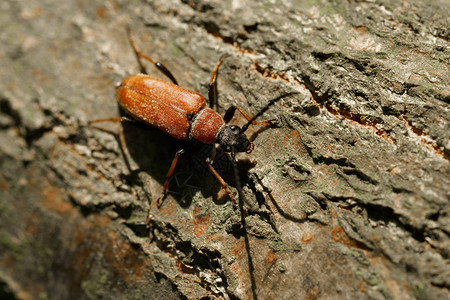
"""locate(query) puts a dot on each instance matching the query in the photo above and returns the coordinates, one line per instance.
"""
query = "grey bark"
(346, 196)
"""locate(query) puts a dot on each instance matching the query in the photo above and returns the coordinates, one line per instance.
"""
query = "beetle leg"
(212, 88)
(232, 109)
(140, 55)
(113, 119)
(169, 176)
(220, 179)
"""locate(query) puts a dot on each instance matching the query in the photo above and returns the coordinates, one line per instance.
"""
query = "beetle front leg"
(140, 55)
(169, 176)
(220, 179)
(232, 109)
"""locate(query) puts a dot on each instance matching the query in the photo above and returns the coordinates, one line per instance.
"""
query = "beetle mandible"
(183, 114)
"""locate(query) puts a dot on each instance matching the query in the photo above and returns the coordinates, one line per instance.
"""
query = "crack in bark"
(30, 135)
(383, 213)
(321, 102)
(167, 239)
(422, 136)
(160, 275)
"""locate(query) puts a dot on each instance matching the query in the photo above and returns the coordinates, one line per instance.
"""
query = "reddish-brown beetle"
(182, 113)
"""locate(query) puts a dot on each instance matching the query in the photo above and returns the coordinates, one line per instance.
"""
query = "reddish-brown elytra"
(182, 113)
(178, 112)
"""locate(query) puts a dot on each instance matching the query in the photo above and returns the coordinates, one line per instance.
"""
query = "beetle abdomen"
(161, 104)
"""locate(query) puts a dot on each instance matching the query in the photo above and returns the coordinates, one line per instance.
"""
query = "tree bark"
(345, 197)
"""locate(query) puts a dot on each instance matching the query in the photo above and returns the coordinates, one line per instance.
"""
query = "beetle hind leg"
(113, 119)
(169, 175)
(212, 87)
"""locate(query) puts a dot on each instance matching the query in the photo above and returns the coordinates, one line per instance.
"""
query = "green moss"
(43, 296)
(359, 256)
(42, 253)
(7, 242)
(373, 280)
(19, 66)
(224, 218)
(306, 3)
(224, 213)
(282, 267)
(174, 49)
(279, 245)
(95, 287)
(181, 213)
(259, 228)
(5, 210)
(420, 291)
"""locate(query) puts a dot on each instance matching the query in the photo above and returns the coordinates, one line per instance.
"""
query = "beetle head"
(232, 139)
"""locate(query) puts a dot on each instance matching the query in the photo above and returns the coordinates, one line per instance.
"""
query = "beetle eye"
(235, 129)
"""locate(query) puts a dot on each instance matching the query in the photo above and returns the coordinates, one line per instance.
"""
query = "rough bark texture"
(357, 164)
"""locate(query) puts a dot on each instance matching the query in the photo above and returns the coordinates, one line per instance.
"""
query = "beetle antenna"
(265, 108)
(251, 267)
(238, 181)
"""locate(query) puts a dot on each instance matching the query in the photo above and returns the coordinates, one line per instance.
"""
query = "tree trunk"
(344, 197)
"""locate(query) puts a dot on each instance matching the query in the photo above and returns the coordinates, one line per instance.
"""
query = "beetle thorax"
(206, 126)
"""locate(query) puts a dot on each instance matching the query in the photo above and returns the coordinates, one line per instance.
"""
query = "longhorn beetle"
(183, 114)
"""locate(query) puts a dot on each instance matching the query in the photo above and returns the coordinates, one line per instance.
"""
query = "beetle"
(183, 114)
